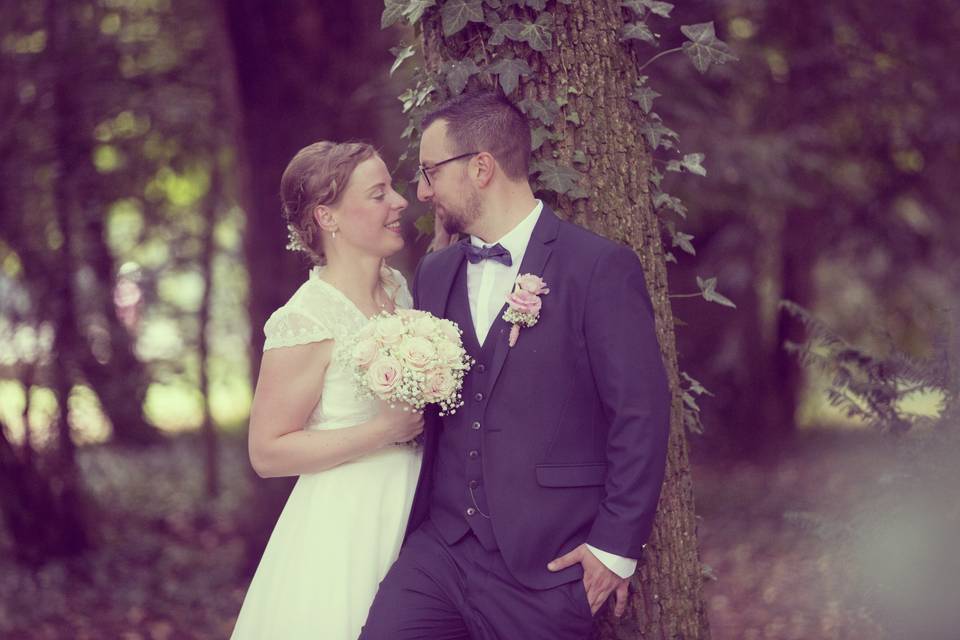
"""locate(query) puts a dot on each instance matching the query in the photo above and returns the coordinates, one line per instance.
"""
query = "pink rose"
(524, 302)
(532, 284)
(438, 386)
(364, 352)
(416, 352)
(383, 376)
(390, 330)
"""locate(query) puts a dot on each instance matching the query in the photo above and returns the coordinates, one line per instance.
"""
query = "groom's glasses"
(424, 171)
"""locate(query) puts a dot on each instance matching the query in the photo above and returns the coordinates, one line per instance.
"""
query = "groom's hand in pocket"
(598, 581)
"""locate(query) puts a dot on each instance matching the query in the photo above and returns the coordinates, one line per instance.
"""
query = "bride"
(343, 523)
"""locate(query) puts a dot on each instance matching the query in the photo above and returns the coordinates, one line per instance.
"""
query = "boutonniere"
(524, 304)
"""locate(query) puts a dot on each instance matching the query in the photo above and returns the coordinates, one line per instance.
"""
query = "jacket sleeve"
(628, 372)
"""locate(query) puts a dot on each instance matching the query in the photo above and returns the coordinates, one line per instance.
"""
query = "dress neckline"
(315, 277)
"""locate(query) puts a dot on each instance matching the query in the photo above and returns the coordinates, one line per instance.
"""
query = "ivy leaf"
(538, 136)
(416, 9)
(656, 134)
(558, 178)
(666, 201)
(538, 34)
(573, 118)
(493, 4)
(402, 53)
(703, 47)
(393, 10)
(567, 2)
(509, 71)
(637, 31)
(655, 177)
(455, 14)
(682, 240)
(424, 225)
(545, 112)
(458, 74)
(644, 96)
(692, 162)
(708, 288)
(512, 29)
(661, 9)
(579, 157)
(639, 7)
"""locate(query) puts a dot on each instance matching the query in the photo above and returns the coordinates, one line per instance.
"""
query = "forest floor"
(167, 564)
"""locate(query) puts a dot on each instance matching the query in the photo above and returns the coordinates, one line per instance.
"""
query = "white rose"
(364, 352)
(416, 352)
(390, 330)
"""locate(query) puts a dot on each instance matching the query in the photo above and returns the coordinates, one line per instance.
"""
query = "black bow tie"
(497, 253)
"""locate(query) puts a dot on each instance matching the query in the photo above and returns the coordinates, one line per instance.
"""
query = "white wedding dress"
(341, 528)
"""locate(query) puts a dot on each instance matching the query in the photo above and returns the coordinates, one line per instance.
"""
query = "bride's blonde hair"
(317, 175)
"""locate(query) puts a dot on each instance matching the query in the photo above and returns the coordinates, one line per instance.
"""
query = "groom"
(537, 496)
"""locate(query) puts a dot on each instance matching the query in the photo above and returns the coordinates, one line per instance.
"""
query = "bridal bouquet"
(410, 357)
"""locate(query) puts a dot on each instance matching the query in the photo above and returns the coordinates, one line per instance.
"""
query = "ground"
(168, 560)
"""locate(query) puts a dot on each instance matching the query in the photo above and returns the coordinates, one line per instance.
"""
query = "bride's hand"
(399, 423)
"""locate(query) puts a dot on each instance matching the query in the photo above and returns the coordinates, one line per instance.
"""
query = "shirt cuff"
(623, 567)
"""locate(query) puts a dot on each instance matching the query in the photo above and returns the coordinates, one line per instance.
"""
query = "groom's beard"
(459, 221)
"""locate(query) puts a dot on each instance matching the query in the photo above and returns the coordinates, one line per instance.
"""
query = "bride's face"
(368, 214)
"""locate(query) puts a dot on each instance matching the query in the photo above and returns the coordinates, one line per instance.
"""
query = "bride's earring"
(334, 234)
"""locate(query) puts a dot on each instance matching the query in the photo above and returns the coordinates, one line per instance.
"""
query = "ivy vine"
(503, 25)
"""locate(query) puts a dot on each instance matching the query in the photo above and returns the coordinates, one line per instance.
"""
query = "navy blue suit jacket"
(577, 418)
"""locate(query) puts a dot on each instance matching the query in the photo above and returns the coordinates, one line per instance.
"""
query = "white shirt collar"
(517, 239)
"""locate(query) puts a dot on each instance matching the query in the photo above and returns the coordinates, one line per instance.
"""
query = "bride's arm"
(288, 389)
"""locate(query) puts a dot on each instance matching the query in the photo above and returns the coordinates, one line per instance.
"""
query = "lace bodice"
(318, 311)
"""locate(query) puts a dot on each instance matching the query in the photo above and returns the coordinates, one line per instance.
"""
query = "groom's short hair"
(487, 121)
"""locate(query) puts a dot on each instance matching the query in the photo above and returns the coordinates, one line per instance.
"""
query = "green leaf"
(644, 96)
(574, 117)
(579, 157)
(509, 71)
(661, 9)
(402, 53)
(558, 178)
(424, 225)
(545, 112)
(538, 5)
(708, 288)
(493, 4)
(682, 240)
(703, 47)
(416, 9)
(512, 29)
(692, 162)
(538, 34)
(656, 134)
(666, 201)
(637, 31)
(538, 136)
(458, 74)
(393, 10)
(455, 14)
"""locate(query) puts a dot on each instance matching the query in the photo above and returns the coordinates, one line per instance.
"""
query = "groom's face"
(447, 187)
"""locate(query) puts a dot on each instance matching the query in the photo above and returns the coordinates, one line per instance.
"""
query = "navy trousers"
(463, 591)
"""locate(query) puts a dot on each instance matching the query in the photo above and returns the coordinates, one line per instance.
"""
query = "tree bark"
(587, 56)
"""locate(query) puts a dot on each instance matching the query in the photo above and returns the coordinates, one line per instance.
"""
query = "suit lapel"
(448, 264)
(534, 261)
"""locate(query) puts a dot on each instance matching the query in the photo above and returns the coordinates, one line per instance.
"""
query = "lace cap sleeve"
(290, 327)
(401, 293)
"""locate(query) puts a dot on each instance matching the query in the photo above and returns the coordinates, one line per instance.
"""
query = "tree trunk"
(588, 57)
(212, 204)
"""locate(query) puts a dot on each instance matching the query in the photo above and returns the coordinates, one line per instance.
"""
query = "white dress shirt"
(488, 285)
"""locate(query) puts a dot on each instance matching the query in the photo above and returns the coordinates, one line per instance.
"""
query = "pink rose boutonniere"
(524, 304)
